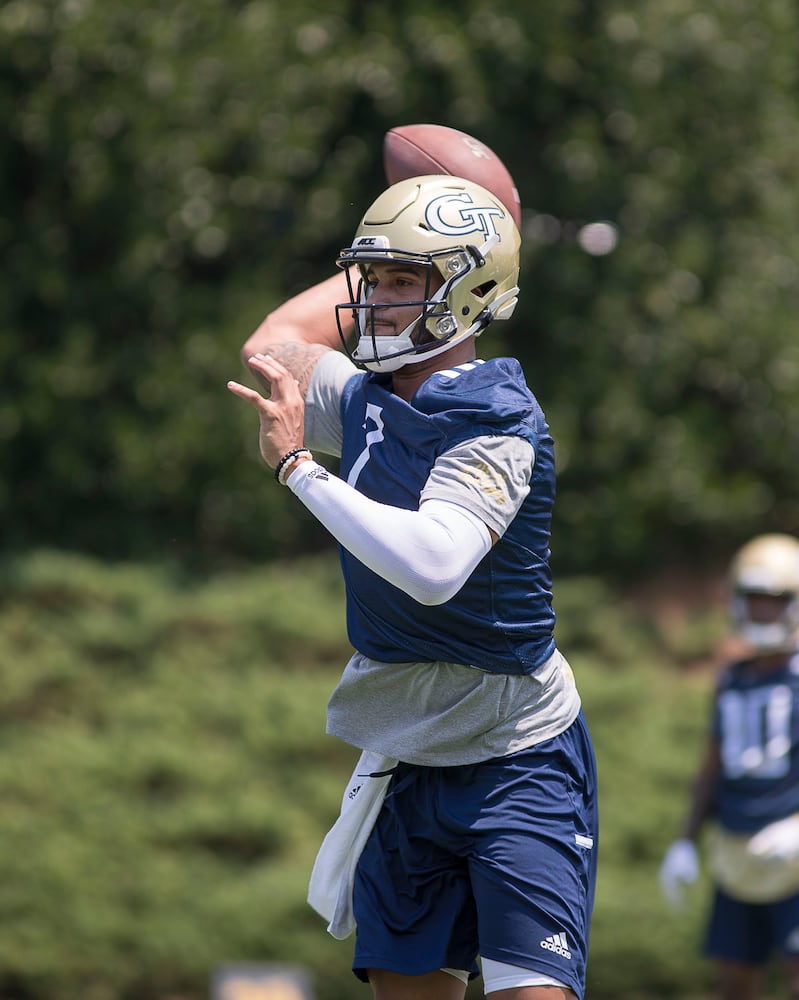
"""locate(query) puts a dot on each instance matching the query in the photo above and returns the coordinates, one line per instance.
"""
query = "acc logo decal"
(457, 215)
(379, 242)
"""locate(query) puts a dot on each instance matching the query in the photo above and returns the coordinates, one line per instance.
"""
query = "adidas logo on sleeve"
(557, 943)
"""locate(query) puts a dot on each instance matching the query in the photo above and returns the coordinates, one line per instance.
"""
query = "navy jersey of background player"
(756, 721)
(502, 619)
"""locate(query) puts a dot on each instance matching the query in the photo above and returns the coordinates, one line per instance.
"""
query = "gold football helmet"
(442, 222)
(768, 564)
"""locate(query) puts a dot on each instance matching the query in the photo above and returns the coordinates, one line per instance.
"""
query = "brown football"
(413, 150)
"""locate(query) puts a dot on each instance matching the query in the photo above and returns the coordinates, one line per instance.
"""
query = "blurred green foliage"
(166, 780)
(171, 171)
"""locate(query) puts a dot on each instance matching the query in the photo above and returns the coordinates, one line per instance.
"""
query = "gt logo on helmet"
(465, 246)
(457, 215)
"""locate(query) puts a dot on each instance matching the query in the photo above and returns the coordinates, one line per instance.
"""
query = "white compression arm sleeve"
(428, 553)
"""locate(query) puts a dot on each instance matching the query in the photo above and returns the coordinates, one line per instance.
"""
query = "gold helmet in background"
(768, 564)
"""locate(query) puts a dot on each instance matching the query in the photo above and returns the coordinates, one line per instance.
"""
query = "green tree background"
(173, 170)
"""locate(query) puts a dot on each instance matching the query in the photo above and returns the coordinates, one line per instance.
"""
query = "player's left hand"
(282, 415)
(779, 840)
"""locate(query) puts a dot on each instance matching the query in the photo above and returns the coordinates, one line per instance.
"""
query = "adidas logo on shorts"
(557, 943)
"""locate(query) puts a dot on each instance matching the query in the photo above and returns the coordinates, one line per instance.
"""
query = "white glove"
(680, 868)
(779, 841)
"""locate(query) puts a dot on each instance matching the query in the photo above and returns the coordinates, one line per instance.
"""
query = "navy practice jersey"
(756, 723)
(502, 619)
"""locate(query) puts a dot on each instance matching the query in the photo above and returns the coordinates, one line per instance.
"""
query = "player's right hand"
(679, 869)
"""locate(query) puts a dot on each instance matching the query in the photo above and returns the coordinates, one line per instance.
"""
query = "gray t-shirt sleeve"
(323, 427)
(490, 476)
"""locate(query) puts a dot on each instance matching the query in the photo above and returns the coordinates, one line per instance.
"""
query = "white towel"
(330, 886)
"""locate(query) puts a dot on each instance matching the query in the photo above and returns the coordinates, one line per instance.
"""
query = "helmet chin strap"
(407, 353)
(403, 350)
(773, 638)
(767, 637)
(396, 361)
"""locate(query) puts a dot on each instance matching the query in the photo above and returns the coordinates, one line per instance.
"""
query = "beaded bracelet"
(289, 457)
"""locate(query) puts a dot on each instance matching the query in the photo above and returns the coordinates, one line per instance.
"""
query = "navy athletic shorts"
(752, 932)
(495, 859)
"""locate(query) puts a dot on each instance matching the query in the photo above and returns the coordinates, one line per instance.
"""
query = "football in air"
(413, 150)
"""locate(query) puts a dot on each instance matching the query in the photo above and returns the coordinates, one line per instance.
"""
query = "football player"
(481, 840)
(747, 788)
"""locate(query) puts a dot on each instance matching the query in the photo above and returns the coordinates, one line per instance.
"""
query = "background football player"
(748, 783)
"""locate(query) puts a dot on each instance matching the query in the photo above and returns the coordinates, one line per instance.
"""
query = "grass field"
(166, 779)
